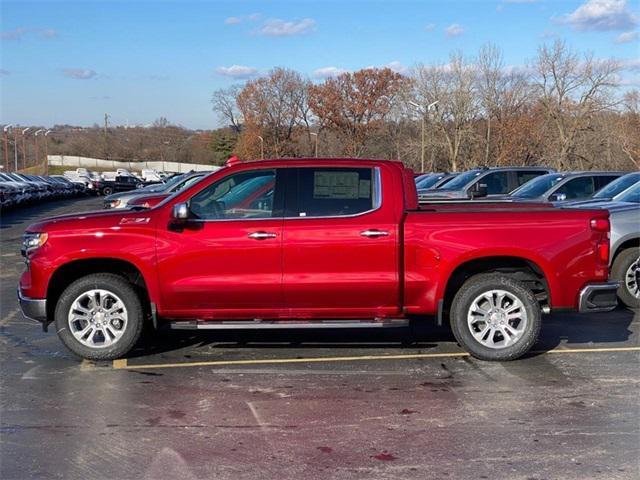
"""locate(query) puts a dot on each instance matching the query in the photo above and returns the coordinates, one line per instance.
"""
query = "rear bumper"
(34, 308)
(598, 297)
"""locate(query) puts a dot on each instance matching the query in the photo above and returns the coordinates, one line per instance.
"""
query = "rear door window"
(523, 176)
(497, 183)
(581, 187)
(331, 192)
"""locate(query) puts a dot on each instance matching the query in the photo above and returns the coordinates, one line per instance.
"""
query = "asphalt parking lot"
(234, 405)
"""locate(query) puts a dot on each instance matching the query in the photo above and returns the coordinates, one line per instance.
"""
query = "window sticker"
(336, 185)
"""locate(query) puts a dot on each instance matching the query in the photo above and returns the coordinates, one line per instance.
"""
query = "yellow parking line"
(123, 364)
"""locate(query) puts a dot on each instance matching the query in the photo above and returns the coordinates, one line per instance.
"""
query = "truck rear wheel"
(107, 191)
(626, 269)
(495, 317)
(99, 317)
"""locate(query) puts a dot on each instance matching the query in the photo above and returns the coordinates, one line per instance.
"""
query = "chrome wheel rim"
(98, 318)
(497, 319)
(632, 278)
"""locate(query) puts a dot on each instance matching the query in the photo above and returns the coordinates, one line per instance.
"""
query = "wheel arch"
(624, 245)
(520, 268)
(69, 272)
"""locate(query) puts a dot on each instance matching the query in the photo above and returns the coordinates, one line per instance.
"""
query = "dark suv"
(560, 187)
(482, 182)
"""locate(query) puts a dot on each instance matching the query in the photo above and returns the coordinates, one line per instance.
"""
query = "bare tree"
(572, 89)
(453, 87)
(224, 103)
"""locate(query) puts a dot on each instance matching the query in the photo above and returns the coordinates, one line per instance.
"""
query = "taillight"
(603, 251)
(600, 224)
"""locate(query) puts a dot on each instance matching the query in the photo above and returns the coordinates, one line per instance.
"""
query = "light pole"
(24, 148)
(261, 147)
(35, 141)
(316, 146)
(46, 152)
(6, 145)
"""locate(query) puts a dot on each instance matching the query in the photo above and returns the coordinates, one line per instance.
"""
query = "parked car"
(625, 241)
(560, 187)
(121, 200)
(433, 180)
(121, 183)
(150, 200)
(314, 244)
(614, 190)
(483, 182)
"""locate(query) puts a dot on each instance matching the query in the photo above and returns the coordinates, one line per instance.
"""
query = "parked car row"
(19, 188)
(121, 180)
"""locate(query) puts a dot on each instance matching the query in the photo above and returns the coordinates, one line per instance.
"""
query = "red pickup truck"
(314, 244)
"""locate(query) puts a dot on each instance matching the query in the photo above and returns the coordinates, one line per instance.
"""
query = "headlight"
(31, 241)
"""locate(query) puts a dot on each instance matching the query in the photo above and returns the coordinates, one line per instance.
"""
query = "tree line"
(564, 109)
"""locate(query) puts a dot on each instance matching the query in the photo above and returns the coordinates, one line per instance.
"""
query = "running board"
(286, 324)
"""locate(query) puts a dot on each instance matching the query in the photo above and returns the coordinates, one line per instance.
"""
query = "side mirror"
(479, 190)
(557, 197)
(180, 213)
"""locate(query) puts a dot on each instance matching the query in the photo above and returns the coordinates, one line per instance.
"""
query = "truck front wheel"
(99, 317)
(495, 317)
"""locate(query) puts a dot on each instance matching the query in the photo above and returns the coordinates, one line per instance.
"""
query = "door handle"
(261, 235)
(374, 233)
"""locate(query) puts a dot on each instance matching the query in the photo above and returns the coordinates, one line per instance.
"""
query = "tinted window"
(429, 181)
(243, 195)
(618, 186)
(604, 180)
(497, 183)
(324, 192)
(462, 180)
(538, 186)
(577, 188)
(526, 175)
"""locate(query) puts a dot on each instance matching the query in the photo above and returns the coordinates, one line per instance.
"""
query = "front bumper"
(598, 297)
(34, 308)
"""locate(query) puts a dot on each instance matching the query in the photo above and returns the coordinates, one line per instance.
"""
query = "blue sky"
(70, 62)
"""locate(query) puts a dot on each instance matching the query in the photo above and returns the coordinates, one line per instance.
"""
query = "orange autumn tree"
(354, 105)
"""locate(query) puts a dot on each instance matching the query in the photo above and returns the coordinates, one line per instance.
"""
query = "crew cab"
(314, 243)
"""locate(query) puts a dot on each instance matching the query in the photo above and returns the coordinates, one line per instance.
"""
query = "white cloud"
(327, 72)
(232, 20)
(49, 33)
(79, 73)
(281, 28)
(15, 34)
(627, 37)
(454, 30)
(601, 15)
(429, 27)
(237, 71)
(397, 67)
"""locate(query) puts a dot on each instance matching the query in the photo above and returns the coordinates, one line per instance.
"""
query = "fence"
(86, 162)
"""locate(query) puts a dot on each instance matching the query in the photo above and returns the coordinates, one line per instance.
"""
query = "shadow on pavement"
(567, 328)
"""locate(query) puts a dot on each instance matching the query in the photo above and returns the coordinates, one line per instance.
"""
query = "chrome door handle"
(374, 233)
(261, 235)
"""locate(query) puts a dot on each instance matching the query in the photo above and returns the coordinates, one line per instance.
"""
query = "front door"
(227, 261)
(340, 245)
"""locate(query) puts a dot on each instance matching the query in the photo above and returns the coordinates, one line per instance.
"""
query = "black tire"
(472, 289)
(107, 191)
(619, 269)
(135, 316)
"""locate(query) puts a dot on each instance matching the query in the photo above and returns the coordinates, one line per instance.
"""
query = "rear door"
(340, 244)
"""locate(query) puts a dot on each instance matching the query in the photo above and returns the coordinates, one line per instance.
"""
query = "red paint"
(324, 267)
(385, 457)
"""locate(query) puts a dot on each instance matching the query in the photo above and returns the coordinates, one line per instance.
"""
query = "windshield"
(461, 180)
(633, 195)
(538, 186)
(429, 181)
(617, 186)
